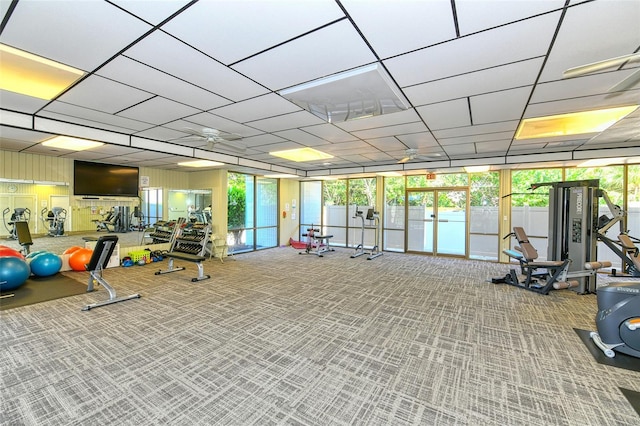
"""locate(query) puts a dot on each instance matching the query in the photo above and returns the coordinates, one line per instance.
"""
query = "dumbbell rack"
(163, 232)
(190, 239)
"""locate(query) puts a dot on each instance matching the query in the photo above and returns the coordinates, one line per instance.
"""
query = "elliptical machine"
(618, 319)
(20, 214)
(54, 220)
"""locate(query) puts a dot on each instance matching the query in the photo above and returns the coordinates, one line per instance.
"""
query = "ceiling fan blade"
(191, 139)
(230, 136)
(600, 65)
(627, 83)
(192, 131)
(404, 160)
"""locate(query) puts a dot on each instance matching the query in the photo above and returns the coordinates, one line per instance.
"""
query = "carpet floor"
(274, 338)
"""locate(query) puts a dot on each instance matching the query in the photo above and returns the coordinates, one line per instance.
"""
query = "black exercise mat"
(42, 289)
(633, 397)
(620, 360)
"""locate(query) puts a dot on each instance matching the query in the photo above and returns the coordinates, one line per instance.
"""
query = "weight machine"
(572, 242)
(625, 246)
(53, 220)
(20, 214)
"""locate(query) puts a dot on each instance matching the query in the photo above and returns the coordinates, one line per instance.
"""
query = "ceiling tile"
(522, 73)
(248, 26)
(593, 32)
(423, 23)
(285, 122)
(158, 111)
(104, 95)
(158, 12)
(499, 106)
(83, 36)
(169, 55)
(257, 108)
(474, 15)
(308, 58)
(511, 43)
(135, 74)
(445, 115)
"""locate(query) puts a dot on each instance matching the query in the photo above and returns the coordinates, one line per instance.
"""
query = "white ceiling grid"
(471, 70)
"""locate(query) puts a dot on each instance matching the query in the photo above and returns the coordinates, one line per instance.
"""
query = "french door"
(437, 221)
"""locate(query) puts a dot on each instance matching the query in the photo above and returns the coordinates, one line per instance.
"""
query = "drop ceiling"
(470, 69)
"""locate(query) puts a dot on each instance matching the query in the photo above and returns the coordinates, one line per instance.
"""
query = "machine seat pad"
(513, 253)
(186, 256)
(545, 263)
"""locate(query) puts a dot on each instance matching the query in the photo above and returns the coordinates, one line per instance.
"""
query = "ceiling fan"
(627, 83)
(412, 154)
(214, 137)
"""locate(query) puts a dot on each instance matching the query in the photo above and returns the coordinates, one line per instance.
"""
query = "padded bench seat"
(186, 256)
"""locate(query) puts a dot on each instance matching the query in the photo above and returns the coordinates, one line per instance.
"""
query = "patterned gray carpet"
(283, 339)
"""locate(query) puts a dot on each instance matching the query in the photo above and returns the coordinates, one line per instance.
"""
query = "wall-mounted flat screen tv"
(101, 180)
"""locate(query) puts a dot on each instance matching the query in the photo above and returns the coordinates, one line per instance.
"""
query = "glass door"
(421, 214)
(437, 221)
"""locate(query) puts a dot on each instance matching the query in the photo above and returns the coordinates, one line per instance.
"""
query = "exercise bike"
(20, 214)
(618, 319)
(54, 219)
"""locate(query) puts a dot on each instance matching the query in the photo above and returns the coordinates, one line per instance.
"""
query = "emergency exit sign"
(431, 176)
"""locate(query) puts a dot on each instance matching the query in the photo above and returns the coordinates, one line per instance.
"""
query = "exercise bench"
(98, 262)
(321, 243)
(24, 236)
(539, 276)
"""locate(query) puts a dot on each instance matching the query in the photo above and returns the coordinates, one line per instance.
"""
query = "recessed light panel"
(72, 144)
(301, 154)
(31, 75)
(200, 163)
(359, 93)
(572, 124)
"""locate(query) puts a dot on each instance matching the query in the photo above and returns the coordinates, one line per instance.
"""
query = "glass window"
(362, 197)
(451, 180)
(484, 241)
(252, 212)
(394, 212)
(334, 218)
(530, 209)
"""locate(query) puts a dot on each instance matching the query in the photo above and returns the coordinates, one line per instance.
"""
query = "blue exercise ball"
(45, 264)
(13, 273)
(34, 254)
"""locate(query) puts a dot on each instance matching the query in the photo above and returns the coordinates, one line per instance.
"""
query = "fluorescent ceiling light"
(301, 154)
(72, 144)
(281, 175)
(360, 93)
(600, 162)
(476, 169)
(31, 75)
(389, 174)
(200, 163)
(572, 124)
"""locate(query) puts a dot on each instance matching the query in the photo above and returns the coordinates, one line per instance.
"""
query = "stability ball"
(34, 254)
(8, 251)
(45, 264)
(13, 272)
(79, 258)
(71, 249)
